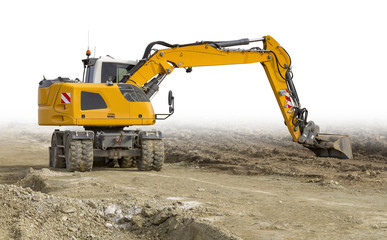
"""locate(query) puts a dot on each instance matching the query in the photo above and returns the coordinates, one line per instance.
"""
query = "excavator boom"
(152, 69)
(274, 59)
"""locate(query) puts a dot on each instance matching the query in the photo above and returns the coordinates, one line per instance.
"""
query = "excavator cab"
(104, 69)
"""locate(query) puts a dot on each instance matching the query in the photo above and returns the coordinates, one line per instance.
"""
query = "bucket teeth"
(332, 145)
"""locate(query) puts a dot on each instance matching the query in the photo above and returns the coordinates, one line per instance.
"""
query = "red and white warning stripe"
(65, 97)
(289, 103)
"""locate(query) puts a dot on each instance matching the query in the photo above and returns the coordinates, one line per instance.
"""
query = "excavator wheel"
(152, 155)
(56, 150)
(87, 155)
(127, 162)
(79, 154)
(146, 161)
(73, 153)
(158, 157)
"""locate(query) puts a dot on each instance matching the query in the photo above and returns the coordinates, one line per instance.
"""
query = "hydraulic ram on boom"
(277, 64)
(116, 94)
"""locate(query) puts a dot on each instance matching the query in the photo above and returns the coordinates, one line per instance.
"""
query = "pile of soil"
(27, 213)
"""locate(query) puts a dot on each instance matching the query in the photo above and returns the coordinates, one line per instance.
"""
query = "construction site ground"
(217, 183)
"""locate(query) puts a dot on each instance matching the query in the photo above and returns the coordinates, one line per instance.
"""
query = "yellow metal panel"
(119, 111)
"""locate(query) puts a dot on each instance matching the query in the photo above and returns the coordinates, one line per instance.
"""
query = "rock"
(123, 220)
(110, 210)
(162, 216)
(72, 229)
(332, 182)
(148, 212)
(173, 224)
(177, 211)
(68, 210)
(90, 236)
(91, 204)
(138, 221)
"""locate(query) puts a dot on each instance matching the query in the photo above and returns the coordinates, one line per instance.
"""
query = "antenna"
(88, 53)
(88, 46)
(88, 39)
(86, 61)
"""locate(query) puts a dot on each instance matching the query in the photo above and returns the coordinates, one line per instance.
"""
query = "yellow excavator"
(115, 94)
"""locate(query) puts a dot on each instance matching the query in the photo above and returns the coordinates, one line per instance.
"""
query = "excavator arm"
(152, 69)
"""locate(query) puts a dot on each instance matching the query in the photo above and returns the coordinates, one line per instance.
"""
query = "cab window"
(114, 70)
(90, 74)
(133, 93)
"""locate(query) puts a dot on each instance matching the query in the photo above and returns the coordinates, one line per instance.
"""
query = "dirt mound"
(27, 214)
(34, 180)
(172, 222)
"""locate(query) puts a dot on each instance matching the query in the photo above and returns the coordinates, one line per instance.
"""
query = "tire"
(152, 155)
(87, 156)
(110, 163)
(126, 162)
(158, 157)
(57, 153)
(146, 161)
(73, 154)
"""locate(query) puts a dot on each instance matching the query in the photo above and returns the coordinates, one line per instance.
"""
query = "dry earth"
(216, 184)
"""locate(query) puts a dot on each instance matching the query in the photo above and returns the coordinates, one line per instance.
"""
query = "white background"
(338, 49)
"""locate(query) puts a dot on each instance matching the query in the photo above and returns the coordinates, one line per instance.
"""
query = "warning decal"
(65, 97)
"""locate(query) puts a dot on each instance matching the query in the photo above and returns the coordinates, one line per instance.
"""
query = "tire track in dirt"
(210, 183)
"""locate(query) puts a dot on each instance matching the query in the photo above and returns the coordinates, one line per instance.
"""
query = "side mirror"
(171, 101)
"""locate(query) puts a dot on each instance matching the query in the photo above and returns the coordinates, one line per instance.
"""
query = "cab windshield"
(133, 93)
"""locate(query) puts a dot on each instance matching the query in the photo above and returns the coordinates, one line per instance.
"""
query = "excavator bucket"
(332, 145)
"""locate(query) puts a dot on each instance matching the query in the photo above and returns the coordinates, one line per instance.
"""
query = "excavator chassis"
(79, 150)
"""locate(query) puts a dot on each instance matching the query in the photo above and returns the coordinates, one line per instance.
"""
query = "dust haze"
(225, 181)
